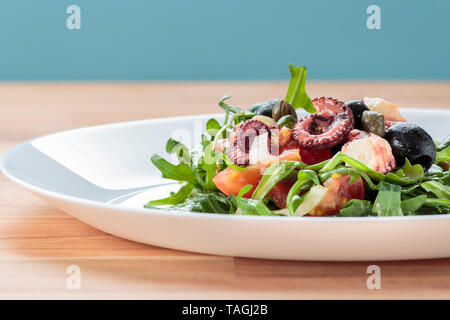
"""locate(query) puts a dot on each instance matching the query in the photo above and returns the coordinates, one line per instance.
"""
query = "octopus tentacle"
(237, 156)
(248, 131)
(328, 127)
(238, 151)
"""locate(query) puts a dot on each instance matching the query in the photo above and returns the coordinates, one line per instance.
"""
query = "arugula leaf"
(446, 178)
(222, 156)
(210, 166)
(403, 181)
(443, 150)
(219, 134)
(366, 172)
(212, 127)
(441, 191)
(354, 173)
(305, 180)
(254, 207)
(251, 207)
(388, 200)
(443, 177)
(406, 175)
(411, 205)
(296, 95)
(440, 202)
(410, 189)
(444, 144)
(443, 155)
(215, 203)
(175, 198)
(212, 202)
(356, 208)
(244, 190)
(274, 174)
(180, 172)
(341, 157)
(297, 199)
(427, 210)
(227, 107)
(205, 141)
(316, 167)
(412, 171)
(175, 147)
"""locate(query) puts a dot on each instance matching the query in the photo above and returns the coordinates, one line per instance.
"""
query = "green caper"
(444, 165)
(282, 108)
(373, 122)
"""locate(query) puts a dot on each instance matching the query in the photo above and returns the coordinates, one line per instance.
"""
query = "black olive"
(264, 108)
(410, 141)
(357, 107)
(335, 149)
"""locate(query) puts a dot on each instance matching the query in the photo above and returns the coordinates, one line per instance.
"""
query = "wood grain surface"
(38, 242)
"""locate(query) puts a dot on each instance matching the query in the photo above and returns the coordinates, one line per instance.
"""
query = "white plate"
(103, 175)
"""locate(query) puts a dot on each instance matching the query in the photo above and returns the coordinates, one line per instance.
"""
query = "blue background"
(220, 40)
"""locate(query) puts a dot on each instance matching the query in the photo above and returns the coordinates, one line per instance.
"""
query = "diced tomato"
(314, 156)
(231, 181)
(340, 191)
(280, 191)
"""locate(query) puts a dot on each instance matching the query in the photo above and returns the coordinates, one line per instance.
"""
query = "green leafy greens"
(408, 190)
(296, 95)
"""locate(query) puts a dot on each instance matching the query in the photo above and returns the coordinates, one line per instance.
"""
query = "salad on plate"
(353, 158)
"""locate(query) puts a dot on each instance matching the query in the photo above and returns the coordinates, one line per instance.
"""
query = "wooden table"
(38, 242)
